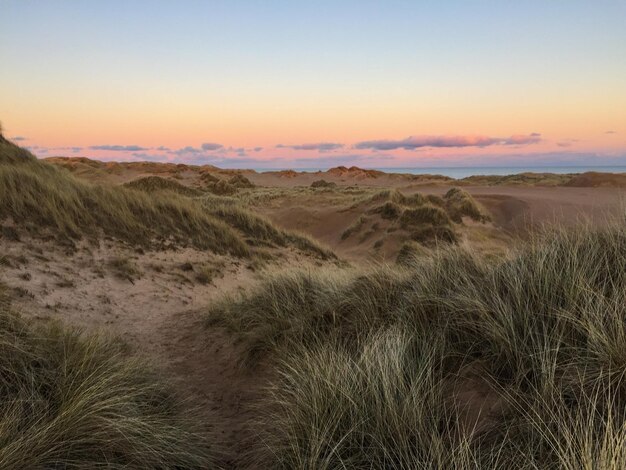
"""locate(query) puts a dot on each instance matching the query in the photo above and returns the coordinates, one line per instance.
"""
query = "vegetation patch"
(259, 228)
(73, 401)
(354, 227)
(323, 184)
(434, 234)
(36, 194)
(425, 214)
(453, 362)
(389, 210)
(124, 268)
(221, 188)
(151, 184)
(240, 181)
(460, 204)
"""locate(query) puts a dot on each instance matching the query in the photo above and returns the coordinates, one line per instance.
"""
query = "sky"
(316, 84)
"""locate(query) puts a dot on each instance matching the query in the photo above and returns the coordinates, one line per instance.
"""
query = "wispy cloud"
(211, 146)
(119, 148)
(320, 146)
(412, 143)
(189, 150)
(610, 132)
(18, 138)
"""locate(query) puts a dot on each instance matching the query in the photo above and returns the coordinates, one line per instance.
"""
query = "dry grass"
(354, 227)
(389, 210)
(429, 218)
(451, 362)
(240, 181)
(36, 195)
(433, 235)
(151, 184)
(323, 184)
(261, 229)
(460, 204)
(426, 214)
(72, 401)
(151, 212)
(124, 268)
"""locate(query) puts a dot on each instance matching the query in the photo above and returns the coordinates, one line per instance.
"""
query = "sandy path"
(159, 315)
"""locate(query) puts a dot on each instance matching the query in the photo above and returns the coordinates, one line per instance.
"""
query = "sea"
(463, 172)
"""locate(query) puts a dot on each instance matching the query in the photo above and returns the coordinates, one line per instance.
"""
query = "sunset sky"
(268, 84)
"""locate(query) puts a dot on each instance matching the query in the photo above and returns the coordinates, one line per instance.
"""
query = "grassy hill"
(150, 212)
(452, 362)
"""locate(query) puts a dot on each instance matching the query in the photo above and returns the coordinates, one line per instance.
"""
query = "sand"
(159, 313)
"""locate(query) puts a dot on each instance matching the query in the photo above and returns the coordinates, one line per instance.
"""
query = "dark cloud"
(163, 149)
(211, 146)
(257, 149)
(320, 146)
(119, 148)
(18, 138)
(412, 143)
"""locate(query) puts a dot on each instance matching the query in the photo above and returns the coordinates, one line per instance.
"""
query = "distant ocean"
(463, 172)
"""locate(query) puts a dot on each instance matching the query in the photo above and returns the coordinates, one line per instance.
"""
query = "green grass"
(449, 362)
(75, 401)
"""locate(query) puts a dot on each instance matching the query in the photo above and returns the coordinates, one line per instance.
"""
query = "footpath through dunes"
(155, 303)
(138, 263)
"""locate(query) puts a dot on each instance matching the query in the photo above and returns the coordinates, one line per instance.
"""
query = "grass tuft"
(448, 362)
(74, 401)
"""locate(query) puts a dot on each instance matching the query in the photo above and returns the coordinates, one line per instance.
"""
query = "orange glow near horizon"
(292, 81)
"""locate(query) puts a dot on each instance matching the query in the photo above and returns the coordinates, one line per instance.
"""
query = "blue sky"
(288, 76)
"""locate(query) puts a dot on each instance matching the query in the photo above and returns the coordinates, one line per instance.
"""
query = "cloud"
(567, 142)
(119, 148)
(18, 138)
(36, 149)
(607, 132)
(73, 149)
(320, 146)
(211, 146)
(189, 150)
(257, 149)
(412, 143)
(163, 148)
